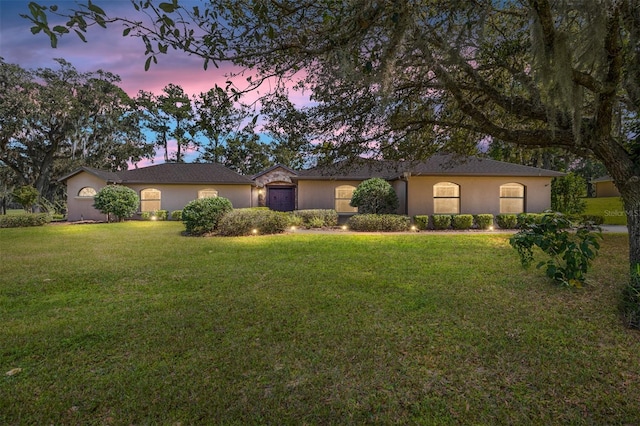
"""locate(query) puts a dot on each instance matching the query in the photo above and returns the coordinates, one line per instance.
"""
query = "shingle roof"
(605, 178)
(184, 173)
(436, 165)
(171, 173)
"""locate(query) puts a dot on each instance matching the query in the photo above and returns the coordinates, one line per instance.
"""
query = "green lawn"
(610, 208)
(134, 324)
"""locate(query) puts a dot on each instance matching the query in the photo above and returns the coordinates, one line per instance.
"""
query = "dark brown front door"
(282, 199)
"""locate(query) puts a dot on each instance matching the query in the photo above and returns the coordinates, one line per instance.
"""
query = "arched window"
(150, 199)
(207, 193)
(343, 198)
(446, 198)
(512, 198)
(87, 192)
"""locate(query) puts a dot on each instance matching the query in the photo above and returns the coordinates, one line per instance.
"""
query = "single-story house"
(168, 186)
(605, 187)
(443, 184)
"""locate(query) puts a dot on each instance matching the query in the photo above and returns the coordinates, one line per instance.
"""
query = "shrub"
(631, 299)
(421, 221)
(316, 222)
(329, 217)
(507, 221)
(592, 219)
(295, 220)
(524, 219)
(24, 220)
(484, 221)
(241, 222)
(202, 215)
(441, 221)
(116, 200)
(176, 215)
(462, 221)
(156, 215)
(379, 223)
(375, 196)
(26, 196)
(567, 194)
(570, 253)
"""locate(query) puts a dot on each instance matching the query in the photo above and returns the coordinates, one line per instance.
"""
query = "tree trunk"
(632, 208)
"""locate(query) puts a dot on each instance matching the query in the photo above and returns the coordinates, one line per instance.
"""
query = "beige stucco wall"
(478, 194)
(606, 189)
(81, 208)
(174, 197)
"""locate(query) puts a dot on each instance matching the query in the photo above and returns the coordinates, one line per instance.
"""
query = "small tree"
(202, 216)
(116, 200)
(26, 196)
(375, 196)
(567, 193)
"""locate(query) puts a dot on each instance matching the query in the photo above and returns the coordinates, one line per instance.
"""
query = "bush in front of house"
(483, 221)
(441, 221)
(24, 220)
(592, 218)
(116, 200)
(379, 223)
(156, 215)
(176, 215)
(525, 219)
(462, 221)
(507, 221)
(240, 222)
(375, 196)
(421, 221)
(202, 215)
(328, 217)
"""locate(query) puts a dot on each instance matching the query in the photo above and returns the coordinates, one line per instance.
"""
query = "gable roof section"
(170, 173)
(437, 165)
(264, 172)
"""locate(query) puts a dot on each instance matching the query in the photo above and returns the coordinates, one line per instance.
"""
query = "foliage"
(26, 196)
(567, 194)
(571, 253)
(379, 223)
(154, 215)
(592, 218)
(375, 196)
(240, 222)
(525, 219)
(202, 215)
(176, 215)
(329, 217)
(441, 221)
(462, 221)
(507, 221)
(421, 221)
(315, 222)
(295, 220)
(483, 221)
(24, 219)
(116, 200)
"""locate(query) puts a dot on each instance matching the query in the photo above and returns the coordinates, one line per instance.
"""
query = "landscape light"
(413, 228)
(254, 231)
(344, 227)
(491, 228)
(153, 218)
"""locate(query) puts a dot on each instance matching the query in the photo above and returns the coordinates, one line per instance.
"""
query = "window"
(446, 198)
(150, 200)
(512, 198)
(87, 192)
(207, 193)
(343, 198)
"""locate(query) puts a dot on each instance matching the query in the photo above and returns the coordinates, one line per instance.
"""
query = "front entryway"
(281, 199)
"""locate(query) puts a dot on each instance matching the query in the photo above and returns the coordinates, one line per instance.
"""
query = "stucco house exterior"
(167, 186)
(605, 187)
(443, 184)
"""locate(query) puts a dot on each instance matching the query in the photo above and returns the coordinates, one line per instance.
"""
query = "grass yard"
(611, 208)
(133, 324)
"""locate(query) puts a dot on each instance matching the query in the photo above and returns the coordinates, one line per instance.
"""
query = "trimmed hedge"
(379, 223)
(483, 221)
(462, 221)
(328, 217)
(202, 215)
(158, 214)
(421, 221)
(241, 222)
(528, 219)
(176, 215)
(441, 221)
(24, 220)
(592, 218)
(507, 221)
